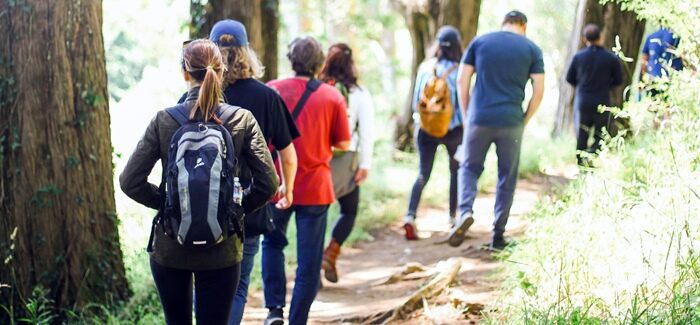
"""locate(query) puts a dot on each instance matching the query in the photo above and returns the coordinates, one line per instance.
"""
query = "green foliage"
(620, 245)
(72, 161)
(39, 308)
(198, 10)
(375, 32)
(42, 197)
(128, 50)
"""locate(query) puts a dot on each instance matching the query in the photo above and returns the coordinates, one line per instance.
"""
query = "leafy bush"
(620, 245)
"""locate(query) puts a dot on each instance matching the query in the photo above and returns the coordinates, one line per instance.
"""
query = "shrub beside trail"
(620, 244)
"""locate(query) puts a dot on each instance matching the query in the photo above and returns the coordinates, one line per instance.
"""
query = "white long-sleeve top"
(361, 122)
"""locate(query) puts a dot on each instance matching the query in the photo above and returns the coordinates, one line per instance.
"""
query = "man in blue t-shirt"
(504, 62)
(656, 57)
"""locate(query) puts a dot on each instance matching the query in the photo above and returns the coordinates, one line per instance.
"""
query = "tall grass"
(620, 244)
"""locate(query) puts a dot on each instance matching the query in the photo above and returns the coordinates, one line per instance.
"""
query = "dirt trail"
(363, 268)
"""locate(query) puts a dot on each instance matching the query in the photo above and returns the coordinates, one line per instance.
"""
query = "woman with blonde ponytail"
(215, 268)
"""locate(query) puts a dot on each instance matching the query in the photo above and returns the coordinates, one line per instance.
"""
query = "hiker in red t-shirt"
(321, 117)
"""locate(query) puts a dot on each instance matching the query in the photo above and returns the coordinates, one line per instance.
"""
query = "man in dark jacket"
(594, 71)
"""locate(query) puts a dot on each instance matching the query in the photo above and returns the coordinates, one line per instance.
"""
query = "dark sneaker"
(410, 230)
(274, 317)
(499, 244)
(459, 230)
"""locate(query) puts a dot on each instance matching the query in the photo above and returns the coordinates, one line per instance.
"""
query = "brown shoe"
(328, 264)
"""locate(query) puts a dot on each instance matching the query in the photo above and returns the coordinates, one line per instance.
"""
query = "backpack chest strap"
(181, 112)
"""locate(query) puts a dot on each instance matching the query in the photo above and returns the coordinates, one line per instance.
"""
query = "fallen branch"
(446, 274)
(411, 271)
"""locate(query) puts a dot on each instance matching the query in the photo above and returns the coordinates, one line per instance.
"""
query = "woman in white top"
(350, 169)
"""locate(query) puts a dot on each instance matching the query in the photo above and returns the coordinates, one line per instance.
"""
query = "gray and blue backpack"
(202, 192)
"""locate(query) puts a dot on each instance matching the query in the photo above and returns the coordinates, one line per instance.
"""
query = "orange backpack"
(435, 105)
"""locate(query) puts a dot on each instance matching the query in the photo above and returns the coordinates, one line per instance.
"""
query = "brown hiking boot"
(328, 264)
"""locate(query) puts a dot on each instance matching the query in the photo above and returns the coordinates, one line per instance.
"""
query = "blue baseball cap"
(448, 36)
(229, 27)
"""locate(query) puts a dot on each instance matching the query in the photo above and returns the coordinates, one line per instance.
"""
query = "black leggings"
(214, 289)
(348, 213)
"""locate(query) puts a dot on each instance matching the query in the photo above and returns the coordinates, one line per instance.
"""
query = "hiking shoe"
(274, 317)
(499, 244)
(451, 220)
(411, 232)
(459, 230)
(330, 255)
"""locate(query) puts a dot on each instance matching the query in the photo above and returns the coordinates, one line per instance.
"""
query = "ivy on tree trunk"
(58, 225)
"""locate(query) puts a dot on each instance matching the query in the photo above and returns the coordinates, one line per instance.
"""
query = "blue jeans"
(250, 248)
(311, 229)
(427, 146)
(477, 140)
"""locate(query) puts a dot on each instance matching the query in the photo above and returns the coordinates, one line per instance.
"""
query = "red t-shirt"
(322, 123)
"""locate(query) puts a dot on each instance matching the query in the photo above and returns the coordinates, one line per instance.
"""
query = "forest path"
(363, 269)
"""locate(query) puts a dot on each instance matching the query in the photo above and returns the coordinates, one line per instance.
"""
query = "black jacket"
(594, 71)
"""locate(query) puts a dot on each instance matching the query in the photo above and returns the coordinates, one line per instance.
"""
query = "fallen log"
(446, 273)
(411, 271)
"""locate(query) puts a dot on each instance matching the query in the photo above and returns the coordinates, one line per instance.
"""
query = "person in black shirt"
(594, 71)
(277, 125)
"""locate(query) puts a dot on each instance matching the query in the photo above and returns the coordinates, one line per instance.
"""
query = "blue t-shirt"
(425, 72)
(503, 62)
(656, 47)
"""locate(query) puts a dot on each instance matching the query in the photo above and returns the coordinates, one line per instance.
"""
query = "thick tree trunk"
(58, 228)
(423, 19)
(615, 23)
(260, 18)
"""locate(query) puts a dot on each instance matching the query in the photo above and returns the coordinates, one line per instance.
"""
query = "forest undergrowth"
(620, 245)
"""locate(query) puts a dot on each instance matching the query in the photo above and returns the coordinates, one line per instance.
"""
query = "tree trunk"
(260, 18)
(270, 24)
(615, 23)
(59, 224)
(423, 20)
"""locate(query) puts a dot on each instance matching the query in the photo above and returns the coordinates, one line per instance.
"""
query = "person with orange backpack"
(438, 119)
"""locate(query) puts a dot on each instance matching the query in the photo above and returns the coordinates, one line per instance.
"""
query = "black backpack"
(202, 192)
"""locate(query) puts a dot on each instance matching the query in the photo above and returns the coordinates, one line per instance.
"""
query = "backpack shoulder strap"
(450, 70)
(179, 113)
(226, 111)
(311, 86)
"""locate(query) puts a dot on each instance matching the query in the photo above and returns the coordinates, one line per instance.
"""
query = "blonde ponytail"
(203, 61)
(210, 95)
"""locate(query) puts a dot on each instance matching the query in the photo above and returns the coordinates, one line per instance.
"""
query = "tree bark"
(58, 228)
(615, 23)
(423, 20)
(270, 23)
(260, 17)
